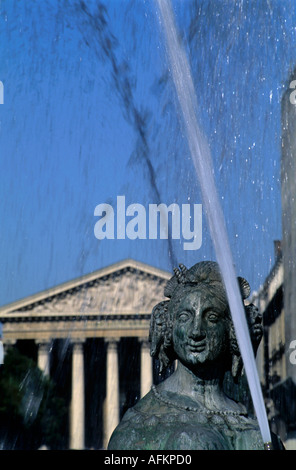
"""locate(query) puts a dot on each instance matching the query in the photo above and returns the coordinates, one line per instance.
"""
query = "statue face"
(200, 332)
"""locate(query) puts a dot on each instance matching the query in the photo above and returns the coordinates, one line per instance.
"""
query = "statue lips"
(197, 346)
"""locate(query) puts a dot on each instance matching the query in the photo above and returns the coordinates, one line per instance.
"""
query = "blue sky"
(89, 114)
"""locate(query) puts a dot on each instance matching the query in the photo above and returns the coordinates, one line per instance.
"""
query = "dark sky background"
(90, 113)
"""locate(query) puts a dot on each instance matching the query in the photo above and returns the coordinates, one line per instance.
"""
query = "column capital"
(77, 341)
(77, 346)
(43, 341)
(112, 342)
(44, 344)
(111, 339)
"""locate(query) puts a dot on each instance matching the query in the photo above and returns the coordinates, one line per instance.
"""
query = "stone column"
(77, 402)
(111, 407)
(146, 367)
(44, 349)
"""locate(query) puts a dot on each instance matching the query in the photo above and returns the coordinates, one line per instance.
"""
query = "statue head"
(207, 337)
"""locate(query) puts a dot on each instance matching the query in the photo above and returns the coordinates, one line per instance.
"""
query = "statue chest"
(187, 432)
(192, 431)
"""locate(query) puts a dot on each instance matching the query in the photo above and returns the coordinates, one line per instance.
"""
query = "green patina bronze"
(190, 410)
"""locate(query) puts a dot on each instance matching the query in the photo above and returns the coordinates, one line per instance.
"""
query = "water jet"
(201, 158)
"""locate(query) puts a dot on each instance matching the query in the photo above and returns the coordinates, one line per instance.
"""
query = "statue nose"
(197, 331)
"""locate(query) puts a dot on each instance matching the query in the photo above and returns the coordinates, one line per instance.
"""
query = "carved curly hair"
(205, 273)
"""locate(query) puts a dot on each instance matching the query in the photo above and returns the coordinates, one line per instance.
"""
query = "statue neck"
(203, 388)
(198, 380)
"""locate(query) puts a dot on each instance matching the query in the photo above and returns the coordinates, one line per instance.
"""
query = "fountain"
(190, 410)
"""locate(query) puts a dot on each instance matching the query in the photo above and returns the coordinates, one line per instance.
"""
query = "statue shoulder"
(134, 424)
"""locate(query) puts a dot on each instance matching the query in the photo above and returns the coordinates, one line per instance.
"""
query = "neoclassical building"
(274, 355)
(277, 296)
(91, 334)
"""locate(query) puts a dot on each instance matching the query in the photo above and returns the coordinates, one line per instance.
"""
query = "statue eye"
(183, 316)
(213, 317)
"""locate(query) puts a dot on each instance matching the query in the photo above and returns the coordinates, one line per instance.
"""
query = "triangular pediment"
(124, 288)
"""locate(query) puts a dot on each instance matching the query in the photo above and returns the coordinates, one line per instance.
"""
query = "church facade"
(92, 333)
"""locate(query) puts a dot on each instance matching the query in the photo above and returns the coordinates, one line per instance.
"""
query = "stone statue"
(189, 410)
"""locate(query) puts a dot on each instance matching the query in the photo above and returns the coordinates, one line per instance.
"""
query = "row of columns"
(111, 405)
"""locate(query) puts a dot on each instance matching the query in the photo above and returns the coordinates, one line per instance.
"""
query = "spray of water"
(201, 157)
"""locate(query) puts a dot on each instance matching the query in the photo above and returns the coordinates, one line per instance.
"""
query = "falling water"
(201, 157)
